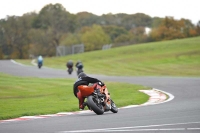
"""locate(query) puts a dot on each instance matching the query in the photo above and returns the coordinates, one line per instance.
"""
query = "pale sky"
(188, 9)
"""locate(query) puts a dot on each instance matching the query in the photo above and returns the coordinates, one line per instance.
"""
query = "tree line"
(40, 33)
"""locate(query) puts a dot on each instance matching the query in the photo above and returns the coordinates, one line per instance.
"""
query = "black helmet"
(81, 75)
(78, 61)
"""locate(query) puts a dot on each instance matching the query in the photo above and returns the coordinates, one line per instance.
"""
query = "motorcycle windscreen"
(86, 90)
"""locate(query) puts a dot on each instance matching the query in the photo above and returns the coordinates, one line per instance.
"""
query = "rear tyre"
(95, 105)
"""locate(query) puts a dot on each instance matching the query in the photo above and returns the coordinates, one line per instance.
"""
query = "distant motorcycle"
(69, 66)
(79, 67)
(39, 65)
(96, 99)
(40, 61)
(70, 70)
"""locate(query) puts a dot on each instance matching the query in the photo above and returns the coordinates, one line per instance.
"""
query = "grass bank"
(35, 96)
(179, 57)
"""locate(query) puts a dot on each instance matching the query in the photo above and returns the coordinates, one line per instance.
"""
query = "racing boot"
(81, 101)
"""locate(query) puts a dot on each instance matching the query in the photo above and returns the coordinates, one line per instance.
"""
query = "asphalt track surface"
(180, 115)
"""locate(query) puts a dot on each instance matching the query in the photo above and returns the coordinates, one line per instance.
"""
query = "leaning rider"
(83, 79)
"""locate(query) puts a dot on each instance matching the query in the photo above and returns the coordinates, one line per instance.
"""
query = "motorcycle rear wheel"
(95, 106)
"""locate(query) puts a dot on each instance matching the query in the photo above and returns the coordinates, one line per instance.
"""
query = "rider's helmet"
(81, 75)
(78, 62)
(70, 63)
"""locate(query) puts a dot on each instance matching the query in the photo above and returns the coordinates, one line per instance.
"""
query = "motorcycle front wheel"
(39, 66)
(114, 108)
(95, 105)
(70, 71)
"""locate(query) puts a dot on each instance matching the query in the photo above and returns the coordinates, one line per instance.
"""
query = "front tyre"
(70, 70)
(39, 66)
(95, 105)
(114, 108)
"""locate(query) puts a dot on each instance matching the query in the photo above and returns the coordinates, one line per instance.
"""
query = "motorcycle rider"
(40, 60)
(79, 66)
(77, 63)
(70, 64)
(83, 79)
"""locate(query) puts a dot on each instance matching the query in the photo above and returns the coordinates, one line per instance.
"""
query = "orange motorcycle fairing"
(86, 90)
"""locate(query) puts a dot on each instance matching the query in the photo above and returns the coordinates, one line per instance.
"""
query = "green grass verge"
(179, 57)
(23, 96)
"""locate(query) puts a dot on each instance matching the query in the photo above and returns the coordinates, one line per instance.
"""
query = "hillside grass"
(24, 96)
(179, 57)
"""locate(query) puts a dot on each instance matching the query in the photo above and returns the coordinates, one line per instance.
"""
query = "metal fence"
(67, 50)
(74, 49)
(107, 46)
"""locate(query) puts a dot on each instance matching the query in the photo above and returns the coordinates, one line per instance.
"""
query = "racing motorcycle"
(70, 70)
(97, 100)
(39, 65)
(79, 68)
(69, 66)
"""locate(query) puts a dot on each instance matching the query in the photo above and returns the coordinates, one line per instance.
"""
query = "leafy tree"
(156, 21)
(87, 19)
(41, 33)
(1, 53)
(15, 35)
(138, 31)
(41, 42)
(112, 19)
(138, 35)
(172, 29)
(1, 41)
(3, 46)
(94, 38)
(124, 38)
(198, 28)
(114, 31)
(187, 27)
(71, 39)
(56, 19)
(136, 20)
